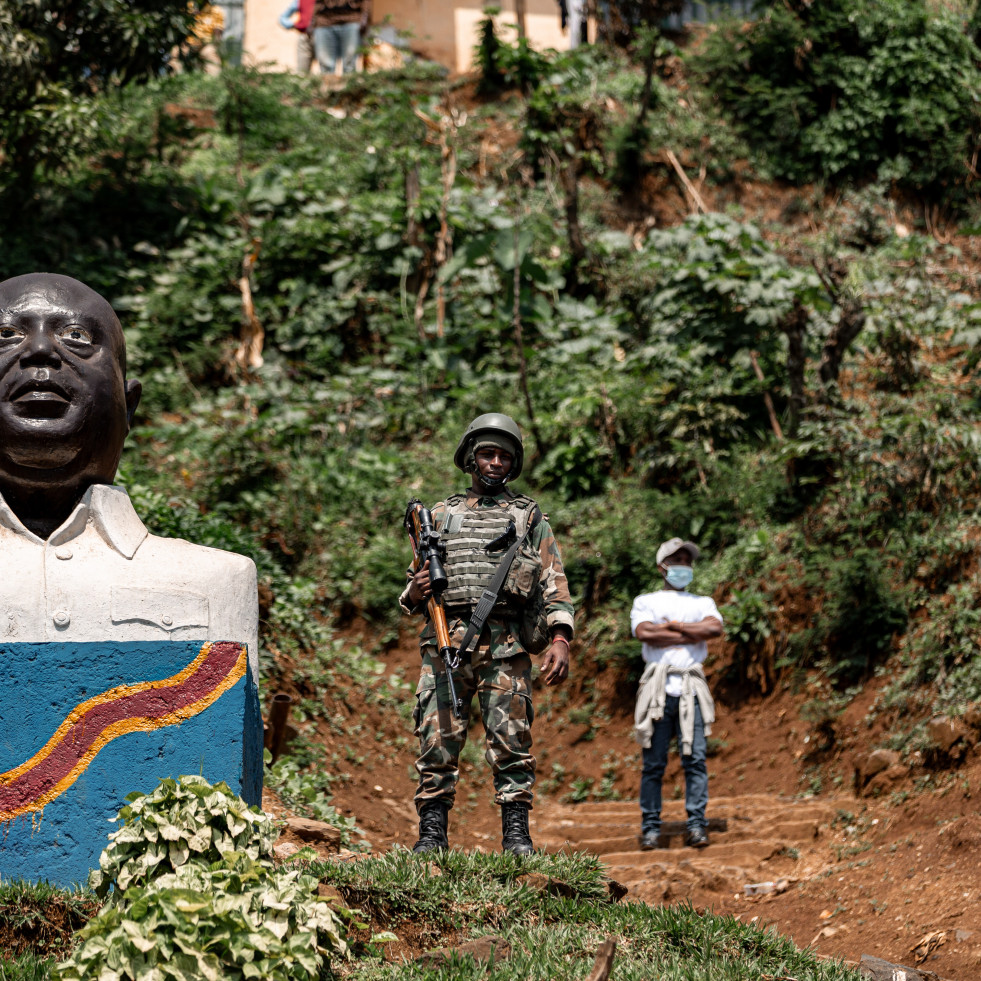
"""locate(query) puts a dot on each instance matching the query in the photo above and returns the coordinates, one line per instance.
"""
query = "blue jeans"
(655, 761)
(338, 42)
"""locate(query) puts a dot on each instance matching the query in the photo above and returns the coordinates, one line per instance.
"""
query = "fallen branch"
(604, 961)
(774, 422)
(931, 217)
(249, 353)
(444, 130)
(683, 177)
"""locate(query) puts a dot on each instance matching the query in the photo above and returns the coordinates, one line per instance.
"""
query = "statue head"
(65, 403)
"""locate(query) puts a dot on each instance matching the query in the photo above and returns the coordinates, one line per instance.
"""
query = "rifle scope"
(429, 546)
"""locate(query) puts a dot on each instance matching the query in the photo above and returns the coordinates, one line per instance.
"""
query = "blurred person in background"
(337, 29)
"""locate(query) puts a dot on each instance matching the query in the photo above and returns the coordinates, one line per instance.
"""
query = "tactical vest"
(467, 532)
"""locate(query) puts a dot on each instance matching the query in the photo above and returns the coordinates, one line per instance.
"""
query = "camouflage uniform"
(498, 672)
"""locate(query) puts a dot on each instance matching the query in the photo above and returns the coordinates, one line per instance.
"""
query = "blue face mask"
(679, 576)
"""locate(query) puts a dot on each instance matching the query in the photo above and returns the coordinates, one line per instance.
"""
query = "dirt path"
(823, 871)
(870, 875)
(765, 839)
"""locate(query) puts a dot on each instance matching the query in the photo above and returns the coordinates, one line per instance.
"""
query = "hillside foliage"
(56, 58)
(862, 89)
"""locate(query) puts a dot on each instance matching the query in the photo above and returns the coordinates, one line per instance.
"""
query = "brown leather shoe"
(697, 839)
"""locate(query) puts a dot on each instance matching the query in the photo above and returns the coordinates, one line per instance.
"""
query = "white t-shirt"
(682, 607)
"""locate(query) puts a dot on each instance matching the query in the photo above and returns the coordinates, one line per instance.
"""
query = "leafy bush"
(748, 619)
(718, 283)
(486, 54)
(503, 65)
(940, 654)
(241, 919)
(853, 88)
(860, 617)
(55, 55)
(185, 820)
(197, 895)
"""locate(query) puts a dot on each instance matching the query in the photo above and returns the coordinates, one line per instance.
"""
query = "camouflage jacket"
(500, 636)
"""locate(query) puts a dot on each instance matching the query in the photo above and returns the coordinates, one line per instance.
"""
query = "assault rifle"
(427, 547)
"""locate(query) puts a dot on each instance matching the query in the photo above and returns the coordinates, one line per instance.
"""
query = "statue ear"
(134, 389)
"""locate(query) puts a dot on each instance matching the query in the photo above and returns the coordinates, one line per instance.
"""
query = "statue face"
(64, 402)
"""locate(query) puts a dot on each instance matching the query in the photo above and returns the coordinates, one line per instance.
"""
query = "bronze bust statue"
(76, 561)
(65, 406)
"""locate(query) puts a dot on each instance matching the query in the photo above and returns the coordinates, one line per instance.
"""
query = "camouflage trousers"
(503, 689)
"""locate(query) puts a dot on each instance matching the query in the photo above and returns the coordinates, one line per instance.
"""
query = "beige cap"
(672, 545)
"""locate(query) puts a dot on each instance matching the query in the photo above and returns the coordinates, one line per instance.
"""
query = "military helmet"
(488, 425)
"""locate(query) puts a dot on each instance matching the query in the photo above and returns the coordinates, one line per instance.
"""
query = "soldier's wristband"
(563, 639)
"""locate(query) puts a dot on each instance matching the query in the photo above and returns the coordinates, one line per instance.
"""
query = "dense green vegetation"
(873, 87)
(58, 55)
(320, 288)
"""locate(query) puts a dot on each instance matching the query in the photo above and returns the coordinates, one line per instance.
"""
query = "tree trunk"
(795, 327)
(519, 16)
(849, 326)
(568, 173)
(519, 343)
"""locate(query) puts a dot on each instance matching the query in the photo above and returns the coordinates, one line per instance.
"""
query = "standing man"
(673, 698)
(337, 29)
(498, 670)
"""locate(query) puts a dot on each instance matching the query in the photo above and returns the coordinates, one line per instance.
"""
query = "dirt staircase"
(753, 839)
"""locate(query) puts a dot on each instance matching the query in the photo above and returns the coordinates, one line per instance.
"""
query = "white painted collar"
(109, 510)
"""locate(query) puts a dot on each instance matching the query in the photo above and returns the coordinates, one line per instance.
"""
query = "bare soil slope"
(893, 875)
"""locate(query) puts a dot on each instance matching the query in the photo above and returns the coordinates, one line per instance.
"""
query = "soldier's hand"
(555, 664)
(420, 589)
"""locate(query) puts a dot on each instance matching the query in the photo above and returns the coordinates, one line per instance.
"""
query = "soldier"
(499, 669)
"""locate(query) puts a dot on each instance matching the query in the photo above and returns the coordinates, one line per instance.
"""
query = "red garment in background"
(306, 15)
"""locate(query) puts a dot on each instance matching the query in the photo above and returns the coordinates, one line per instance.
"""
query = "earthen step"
(746, 854)
(587, 832)
(717, 803)
(606, 846)
(552, 820)
(633, 877)
(549, 821)
(795, 830)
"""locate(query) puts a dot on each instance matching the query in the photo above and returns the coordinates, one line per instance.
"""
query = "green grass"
(553, 930)
(36, 926)
(26, 967)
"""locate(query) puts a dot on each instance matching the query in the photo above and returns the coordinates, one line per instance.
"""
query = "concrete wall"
(84, 724)
(441, 30)
(446, 30)
(266, 43)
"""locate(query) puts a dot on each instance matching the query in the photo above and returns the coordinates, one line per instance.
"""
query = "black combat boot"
(433, 817)
(514, 822)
